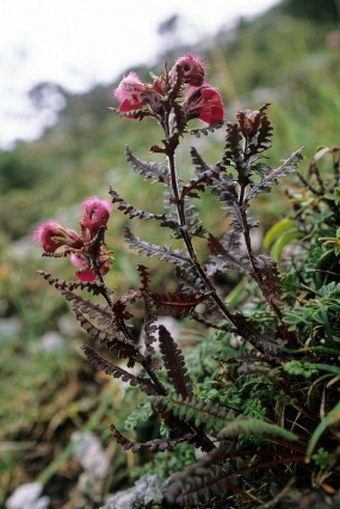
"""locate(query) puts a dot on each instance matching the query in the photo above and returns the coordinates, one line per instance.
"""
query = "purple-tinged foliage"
(239, 176)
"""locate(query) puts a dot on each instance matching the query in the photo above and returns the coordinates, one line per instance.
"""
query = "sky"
(79, 43)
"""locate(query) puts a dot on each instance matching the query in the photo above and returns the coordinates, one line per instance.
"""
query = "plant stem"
(256, 273)
(241, 324)
(179, 203)
(104, 291)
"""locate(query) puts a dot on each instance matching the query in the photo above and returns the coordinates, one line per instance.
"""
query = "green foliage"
(317, 10)
(319, 316)
(168, 462)
(299, 368)
(322, 458)
(18, 171)
(198, 411)
(330, 419)
(252, 426)
(280, 235)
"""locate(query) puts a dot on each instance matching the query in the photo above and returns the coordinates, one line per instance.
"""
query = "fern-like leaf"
(264, 342)
(191, 282)
(102, 364)
(144, 277)
(175, 364)
(61, 284)
(200, 165)
(205, 175)
(256, 129)
(194, 225)
(197, 485)
(177, 82)
(149, 170)
(132, 211)
(119, 306)
(150, 315)
(270, 279)
(123, 347)
(166, 253)
(206, 130)
(101, 315)
(252, 427)
(226, 255)
(179, 122)
(233, 148)
(150, 325)
(158, 444)
(177, 304)
(196, 411)
(226, 191)
(272, 179)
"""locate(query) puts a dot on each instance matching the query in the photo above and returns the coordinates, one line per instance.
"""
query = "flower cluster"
(86, 248)
(184, 85)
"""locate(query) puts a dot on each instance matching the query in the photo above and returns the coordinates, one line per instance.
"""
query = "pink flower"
(193, 69)
(86, 274)
(96, 213)
(130, 93)
(87, 252)
(204, 103)
(51, 235)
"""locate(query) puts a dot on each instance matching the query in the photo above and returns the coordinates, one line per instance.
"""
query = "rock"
(148, 490)
(90, 454)
(68, 326)
(172, 326)
(51, 342)
(10, 328)
(27, 496)
(94, 460)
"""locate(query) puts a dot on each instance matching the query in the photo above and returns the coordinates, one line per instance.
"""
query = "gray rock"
(147, 491)
(68, 326)
(10, 328)
(27, 496)
(89, 452)
(51, 342)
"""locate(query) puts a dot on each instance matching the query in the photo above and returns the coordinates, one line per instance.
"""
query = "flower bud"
(193, 69)
(52, 235)
(204, 103)
(96, 213)
(130, 93)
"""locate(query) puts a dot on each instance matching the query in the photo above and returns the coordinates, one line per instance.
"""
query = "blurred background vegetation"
(290, 57)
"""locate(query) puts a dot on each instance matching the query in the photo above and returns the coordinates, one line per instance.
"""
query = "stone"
(90, 454)
(52, 342)
(27, 496)
(146, 492)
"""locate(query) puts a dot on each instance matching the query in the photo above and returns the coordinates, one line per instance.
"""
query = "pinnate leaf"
(175, 364)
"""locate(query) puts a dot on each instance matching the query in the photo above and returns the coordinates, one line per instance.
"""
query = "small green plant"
(254, 404)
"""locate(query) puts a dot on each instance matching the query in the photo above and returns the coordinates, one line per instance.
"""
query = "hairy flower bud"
(96, 213)
(130, 93)
(193, 69)
(204, 103)
(52, 235)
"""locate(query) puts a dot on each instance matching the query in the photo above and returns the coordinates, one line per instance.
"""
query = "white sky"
(78, 43)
